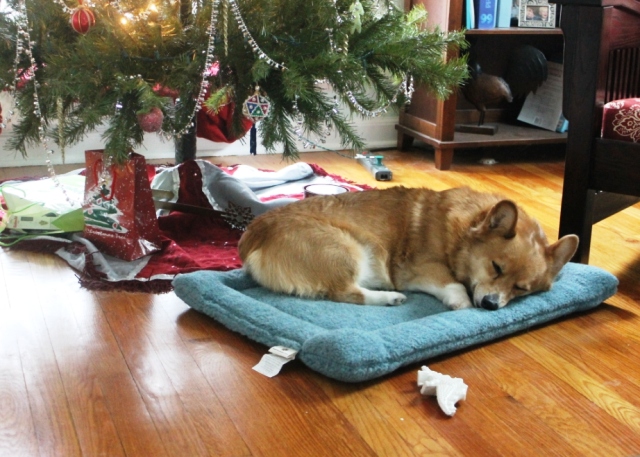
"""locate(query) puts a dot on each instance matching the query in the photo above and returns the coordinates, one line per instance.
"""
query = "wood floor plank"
(53, 422)
(618, 325)
(606, 354)
(166, 407)
(564, 410)
(493, 384)
(292, 412)
(89, 354)
(76, 347)
(382, 422)
(585, 380)
(226, 360)
(467, 439)
(17, 430)
(414, 428)
(208, 417)
(513, 430)
(462, 364)
(112, 373)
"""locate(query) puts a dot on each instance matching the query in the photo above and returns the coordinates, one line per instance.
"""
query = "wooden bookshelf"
(434, 121)
(507, 135)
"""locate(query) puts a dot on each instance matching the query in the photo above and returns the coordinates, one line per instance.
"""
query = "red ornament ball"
(152, 121)
(82, 19)
(165, 91)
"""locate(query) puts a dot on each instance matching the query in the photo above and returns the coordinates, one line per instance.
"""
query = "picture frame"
(537, 13)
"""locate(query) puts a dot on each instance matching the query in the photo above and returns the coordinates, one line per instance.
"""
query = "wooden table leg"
(443, 158)
(404, 141)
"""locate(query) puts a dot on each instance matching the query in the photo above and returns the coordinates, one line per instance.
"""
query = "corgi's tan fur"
(466, 248)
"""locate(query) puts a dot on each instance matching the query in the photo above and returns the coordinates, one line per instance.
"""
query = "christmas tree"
(152, 65)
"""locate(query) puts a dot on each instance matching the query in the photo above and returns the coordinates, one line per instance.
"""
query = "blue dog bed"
(355, 343)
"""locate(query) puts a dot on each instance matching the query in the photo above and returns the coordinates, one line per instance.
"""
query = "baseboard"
(377, 132)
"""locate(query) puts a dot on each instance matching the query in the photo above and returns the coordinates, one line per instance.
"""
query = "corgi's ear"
(501, 219)
(561, 252)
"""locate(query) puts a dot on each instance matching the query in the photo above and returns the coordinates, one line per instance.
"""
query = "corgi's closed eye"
(497, 268)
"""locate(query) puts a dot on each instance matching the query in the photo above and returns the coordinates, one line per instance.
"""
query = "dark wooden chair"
(601, 64)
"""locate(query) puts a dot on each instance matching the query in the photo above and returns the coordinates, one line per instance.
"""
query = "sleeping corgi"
(464, 247)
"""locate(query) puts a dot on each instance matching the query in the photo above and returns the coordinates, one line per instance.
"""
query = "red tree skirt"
(191, 242)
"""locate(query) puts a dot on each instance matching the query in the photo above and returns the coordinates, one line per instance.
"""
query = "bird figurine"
(483, 89)
(526, 71)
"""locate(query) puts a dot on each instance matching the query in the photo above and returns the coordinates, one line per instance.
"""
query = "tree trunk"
(185, 146)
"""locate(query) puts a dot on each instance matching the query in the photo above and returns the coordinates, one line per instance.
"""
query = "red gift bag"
(119, 214)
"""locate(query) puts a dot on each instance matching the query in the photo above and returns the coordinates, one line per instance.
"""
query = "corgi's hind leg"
(363, 296)
(368, 267)
(333, 262)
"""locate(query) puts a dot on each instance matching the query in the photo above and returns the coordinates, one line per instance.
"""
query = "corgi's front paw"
(458, 304)
(383, 298)
(455, 297)
(389, 298)
(396, 298)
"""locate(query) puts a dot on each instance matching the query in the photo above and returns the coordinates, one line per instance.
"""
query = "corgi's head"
(509, 256)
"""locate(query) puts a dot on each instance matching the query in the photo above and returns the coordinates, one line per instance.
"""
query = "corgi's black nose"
(490, 302)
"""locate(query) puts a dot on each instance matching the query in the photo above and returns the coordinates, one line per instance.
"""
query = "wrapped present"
(44, 205)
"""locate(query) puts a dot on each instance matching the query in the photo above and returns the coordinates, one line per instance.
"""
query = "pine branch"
(123, 65)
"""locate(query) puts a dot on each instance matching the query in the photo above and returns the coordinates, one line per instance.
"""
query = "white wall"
(378, 132)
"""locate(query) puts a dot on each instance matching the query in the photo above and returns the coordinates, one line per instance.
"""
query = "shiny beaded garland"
(252, 42)
(24, 46)
(204, 83)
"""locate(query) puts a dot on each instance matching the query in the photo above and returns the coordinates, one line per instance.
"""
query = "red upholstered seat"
(621, 120)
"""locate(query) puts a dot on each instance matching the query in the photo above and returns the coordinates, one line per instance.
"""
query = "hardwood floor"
(123, 374)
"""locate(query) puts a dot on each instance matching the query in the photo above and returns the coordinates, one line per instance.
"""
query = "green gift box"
(43, 206)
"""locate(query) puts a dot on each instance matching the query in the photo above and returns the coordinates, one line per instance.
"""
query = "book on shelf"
(563, 124)
(543, 108)
(486, 14)
(504, 13)
(470, 14)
